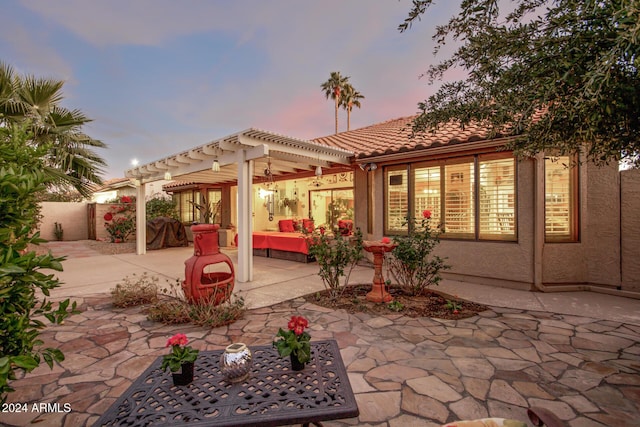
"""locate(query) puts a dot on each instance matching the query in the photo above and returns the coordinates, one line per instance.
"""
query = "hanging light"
(318, 171)
(167, 175)
(215, 166)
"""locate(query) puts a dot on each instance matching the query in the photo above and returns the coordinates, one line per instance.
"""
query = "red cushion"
(345, 226)
(286, 225)
(307, 224)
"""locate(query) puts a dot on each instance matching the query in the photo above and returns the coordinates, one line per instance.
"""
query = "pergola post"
(244, 272)
(141, 223)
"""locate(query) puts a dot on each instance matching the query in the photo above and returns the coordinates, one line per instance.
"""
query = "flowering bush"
(120, 220)
(412, 264)
(180, 353)
(295, 340)
(336, 255)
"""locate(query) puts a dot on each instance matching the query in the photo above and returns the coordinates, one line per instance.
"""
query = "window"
(427, 192)
(185, 201)
(561, 199)
(330, 206)
(189, 200)
(459, 212)
(497, 198)
(471, 197)
(396, 200)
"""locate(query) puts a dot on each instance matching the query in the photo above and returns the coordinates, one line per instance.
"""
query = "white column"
(244, 272)
(141, 222)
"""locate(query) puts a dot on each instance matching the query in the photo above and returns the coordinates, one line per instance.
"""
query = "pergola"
(234, 159)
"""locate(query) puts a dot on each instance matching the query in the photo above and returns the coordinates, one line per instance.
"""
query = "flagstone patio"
(529, 349)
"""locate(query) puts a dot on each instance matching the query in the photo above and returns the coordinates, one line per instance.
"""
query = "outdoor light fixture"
(167, 175)
(368, 167)
(215, 166)
(318, 171)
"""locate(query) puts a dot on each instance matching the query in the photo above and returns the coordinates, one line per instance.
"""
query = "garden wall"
(72, 216)
(630, 226)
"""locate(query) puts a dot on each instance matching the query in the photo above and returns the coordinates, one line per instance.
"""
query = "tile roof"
(112, 184)
(394, 136)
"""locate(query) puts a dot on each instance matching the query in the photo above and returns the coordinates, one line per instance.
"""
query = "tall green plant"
(21, 278)
(162, 207)
(336, 255)
(412, 263)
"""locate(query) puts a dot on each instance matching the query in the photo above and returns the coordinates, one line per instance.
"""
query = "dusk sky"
(160, 76)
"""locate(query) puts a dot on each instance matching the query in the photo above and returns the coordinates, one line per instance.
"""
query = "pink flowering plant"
(294, 340)
(180, 353)
(412, 264)
(120, 220)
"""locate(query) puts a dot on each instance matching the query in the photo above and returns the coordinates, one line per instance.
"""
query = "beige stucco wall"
(630, 226)
(595, 259)
(72, 216)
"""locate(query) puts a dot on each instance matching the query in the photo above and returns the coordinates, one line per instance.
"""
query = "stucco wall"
(72, 216)
(502, 263)
(595, 259)
(630, 219)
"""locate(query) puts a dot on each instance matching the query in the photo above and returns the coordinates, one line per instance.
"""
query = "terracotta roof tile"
(394, 136)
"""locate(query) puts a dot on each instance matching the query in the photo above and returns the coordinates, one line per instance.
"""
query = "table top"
(273, 395)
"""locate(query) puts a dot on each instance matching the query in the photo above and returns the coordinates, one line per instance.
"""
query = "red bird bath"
(200, 286)
(378, 248)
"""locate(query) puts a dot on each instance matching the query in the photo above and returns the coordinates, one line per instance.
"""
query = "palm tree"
(350, 98)
(71, 160)
(333, 89)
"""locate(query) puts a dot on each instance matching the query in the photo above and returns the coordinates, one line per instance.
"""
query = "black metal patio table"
(273, 395)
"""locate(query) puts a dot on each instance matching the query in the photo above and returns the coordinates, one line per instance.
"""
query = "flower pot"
(184, 377)
(296, 365)
(236, 362)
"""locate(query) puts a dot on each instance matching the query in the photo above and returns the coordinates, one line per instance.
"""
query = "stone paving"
(404, 371)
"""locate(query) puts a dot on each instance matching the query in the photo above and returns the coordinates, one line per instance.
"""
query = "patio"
(530, 349)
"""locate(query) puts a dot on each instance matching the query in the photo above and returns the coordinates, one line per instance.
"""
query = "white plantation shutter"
(560, 199)
(396, 200)
(497, 199)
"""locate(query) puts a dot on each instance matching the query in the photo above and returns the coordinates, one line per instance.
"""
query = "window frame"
(573, 233)
(474, 161)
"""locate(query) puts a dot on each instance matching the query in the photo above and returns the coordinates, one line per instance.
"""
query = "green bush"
(22, 176)
(412, 263)
(158, 207)
(336, 256)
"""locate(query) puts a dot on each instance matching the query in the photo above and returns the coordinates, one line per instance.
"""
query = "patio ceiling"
(287, 155)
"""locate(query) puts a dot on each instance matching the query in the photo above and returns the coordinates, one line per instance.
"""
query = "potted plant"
(294, 342)
(180, 359)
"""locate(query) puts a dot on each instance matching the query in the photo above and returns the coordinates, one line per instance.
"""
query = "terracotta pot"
(184, 377)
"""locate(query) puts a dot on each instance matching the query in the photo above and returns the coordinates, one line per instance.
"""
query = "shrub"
(161, 207)
(336, 256)
(412, 263)
(135, 291)
(21, 279)
(120, 219)
(169, 305)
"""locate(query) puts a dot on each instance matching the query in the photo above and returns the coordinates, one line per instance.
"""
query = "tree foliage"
(21, 277)
(71, 160)
(557, 75)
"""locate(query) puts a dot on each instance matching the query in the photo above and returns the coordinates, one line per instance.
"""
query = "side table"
(273, 395)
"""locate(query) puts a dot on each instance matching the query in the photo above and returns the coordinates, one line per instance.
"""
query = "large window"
(191, 205)
(497, 198)
(472, 197)
(561, 199)
(327, 207)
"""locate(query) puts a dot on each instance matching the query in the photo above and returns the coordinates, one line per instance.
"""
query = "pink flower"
(177, 339)
(426, 213)
(108, 216)
(386, 240)
(297, 324)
